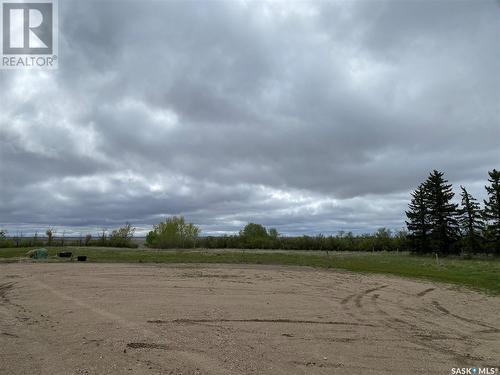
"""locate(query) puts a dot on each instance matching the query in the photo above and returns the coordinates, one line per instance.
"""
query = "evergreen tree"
(418, 224)
(471, 222)
(442, 213)
(492, 210)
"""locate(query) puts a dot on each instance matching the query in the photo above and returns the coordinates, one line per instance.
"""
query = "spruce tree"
(492, 210)
(418, 224)
(442, 213)
(471, 222)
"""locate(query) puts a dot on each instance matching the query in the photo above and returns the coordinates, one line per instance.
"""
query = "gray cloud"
(311, 116)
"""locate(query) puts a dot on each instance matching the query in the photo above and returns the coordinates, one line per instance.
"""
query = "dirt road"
(231, 319)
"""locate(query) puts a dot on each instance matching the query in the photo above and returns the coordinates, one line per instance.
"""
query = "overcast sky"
(305, 116)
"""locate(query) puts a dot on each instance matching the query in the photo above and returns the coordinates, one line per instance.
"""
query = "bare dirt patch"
(195, 319)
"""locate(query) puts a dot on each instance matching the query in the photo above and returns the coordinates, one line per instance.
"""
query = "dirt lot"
(231, 319)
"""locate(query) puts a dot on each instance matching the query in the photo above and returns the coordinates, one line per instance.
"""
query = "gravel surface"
(237, 319)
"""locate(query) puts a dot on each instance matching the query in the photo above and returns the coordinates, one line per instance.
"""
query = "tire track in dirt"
(412, 331)
(424, 292)
(358, 299)
(425, 337)
(4, 288)
(285, 321)
(355, 303)
(10, 335)
(346, 303)
(445, 311)
(147, 345)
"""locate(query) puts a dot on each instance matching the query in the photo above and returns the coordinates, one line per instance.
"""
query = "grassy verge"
(480, 274)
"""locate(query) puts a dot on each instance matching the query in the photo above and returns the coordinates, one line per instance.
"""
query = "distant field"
(481, 274)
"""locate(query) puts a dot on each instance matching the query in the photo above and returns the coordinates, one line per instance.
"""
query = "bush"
(255, 236)
(173, 233)
(122, 237)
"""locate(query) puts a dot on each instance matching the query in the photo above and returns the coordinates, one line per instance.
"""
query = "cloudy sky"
(306, 116)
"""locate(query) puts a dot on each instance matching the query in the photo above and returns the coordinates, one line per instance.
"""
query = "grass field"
(483, 274)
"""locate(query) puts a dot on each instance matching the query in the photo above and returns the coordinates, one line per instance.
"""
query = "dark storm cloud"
(310, 116)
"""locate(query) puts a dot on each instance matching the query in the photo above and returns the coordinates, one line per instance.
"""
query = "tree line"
(174, 233)
(121, 237)
(437, 224)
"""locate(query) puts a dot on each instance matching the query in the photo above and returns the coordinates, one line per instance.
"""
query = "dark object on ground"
(82, 258)
(65, 254)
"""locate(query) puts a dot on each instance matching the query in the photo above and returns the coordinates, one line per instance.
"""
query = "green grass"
(482, 274)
